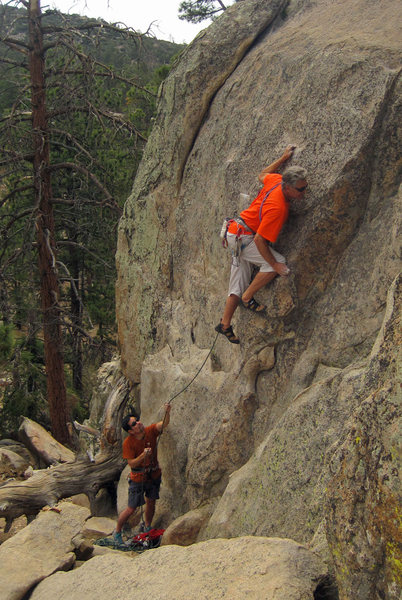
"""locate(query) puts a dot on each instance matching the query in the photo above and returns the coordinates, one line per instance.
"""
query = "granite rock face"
(258, 430)
(40, 549)
(364, 495)
(255, 568)
(185, 530)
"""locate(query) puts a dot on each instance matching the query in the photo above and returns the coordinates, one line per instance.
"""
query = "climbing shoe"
(228, 333)
(254, 306)
(117, 537)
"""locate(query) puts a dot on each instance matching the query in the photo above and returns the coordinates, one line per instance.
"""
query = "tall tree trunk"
(76, 315)
(56, 388)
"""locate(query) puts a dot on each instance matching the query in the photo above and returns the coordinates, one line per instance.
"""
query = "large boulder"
(254, 568)
(41, 443)
(364, 495)
(185, 530)
(19, 449)
(40, 549)
(268, 415)
(333, 93)
(97, 527)
(11, 464)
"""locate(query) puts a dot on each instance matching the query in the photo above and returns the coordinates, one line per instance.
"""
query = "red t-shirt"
(133, 448)
(274, 214)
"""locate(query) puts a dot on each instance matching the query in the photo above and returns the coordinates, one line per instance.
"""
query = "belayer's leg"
(149, 511)
(123, 516)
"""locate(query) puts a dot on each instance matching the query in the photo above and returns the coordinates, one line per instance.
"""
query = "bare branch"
(107, 74)
(22, 214)
(77, 295)
(16, 45)
(116, 118)
(23, 2)
(75, 167)
(76, 143)
(81, 247)
(24, 115)
(108, 71)
(86, 428)
(14, 63)
(15, 157)
(103, 25)
(15, 191)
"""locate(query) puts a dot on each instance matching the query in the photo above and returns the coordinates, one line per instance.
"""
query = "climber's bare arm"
(272, 168)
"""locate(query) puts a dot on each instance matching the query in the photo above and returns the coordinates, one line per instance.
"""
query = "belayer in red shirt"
(140, 451)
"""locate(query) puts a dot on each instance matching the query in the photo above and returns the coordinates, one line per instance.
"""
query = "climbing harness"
(242, 229)
(265, 197)
(226, 224)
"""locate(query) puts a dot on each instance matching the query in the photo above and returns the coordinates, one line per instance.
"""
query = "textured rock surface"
(185, 529)
(364, 496)
(281, 489)
(255, 568)
(97, 527)
(11, 464)
(40, 549)
(268, 415)
(15, 527)
(39, 441)
(19, 449)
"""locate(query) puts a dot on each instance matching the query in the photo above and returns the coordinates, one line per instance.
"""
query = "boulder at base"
(185, 529)
(39, 549)
(98, 527)
(255, 568)
(11, 464)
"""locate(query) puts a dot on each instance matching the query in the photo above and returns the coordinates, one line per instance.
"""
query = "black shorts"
(137, 490)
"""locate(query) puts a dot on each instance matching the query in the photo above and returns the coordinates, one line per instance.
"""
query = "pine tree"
(67, 162)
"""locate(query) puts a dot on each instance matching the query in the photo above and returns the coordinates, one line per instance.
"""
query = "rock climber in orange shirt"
(250, 237)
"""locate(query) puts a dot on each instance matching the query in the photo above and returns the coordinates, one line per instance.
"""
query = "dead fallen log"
(86, 428)
(47, 487)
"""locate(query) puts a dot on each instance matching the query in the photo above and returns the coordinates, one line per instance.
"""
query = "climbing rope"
(166, 412)
(196, 375)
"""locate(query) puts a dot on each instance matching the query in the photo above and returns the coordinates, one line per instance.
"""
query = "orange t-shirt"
(274, 214)
(133, 448)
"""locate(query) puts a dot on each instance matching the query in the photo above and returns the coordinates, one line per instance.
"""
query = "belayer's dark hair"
(124, 423)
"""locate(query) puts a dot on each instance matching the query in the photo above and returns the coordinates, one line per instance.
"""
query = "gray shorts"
(240, 274)
(137, 490)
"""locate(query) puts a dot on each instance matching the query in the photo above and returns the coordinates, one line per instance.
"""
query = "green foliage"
(196, 11)
(99, 123)
(7, 341)
(23, 389)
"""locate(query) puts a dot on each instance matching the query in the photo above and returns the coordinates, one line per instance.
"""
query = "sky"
(138, 14)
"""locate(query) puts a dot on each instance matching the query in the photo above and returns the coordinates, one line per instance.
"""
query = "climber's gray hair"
(292, 175)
